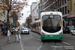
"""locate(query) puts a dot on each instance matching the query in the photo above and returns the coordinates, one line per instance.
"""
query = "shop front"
(65, 21)
(1, 25)
(71, 21)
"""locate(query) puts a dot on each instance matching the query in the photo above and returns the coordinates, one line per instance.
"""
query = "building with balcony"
(63, 6)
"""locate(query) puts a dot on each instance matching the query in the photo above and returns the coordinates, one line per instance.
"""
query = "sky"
(26, 11)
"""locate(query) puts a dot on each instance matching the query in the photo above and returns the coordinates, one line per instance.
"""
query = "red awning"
(36, 19)
(1, 22)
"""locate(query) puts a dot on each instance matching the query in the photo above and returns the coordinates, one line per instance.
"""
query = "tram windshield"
(51, 23)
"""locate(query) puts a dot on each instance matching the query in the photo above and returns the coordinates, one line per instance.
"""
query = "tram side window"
(36, 24)
(39, 23)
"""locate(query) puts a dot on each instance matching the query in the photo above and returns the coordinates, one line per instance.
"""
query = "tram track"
(41, 46)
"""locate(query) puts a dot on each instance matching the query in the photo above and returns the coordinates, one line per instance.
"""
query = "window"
(51, 24)
(65, 9)
(63, 2)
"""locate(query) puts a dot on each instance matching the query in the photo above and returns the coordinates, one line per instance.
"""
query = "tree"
(11, 6)
(28, 21)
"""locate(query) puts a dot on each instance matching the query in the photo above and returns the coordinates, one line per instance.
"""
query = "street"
(32, 41)
(50, 18)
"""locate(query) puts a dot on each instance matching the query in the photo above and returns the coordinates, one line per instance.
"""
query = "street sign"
(38, 10)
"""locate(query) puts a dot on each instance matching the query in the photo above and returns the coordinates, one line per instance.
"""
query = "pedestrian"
(19, 36)
(16, 35)
(8, 34)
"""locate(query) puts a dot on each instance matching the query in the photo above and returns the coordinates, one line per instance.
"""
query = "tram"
(36, 27)
(51, 26)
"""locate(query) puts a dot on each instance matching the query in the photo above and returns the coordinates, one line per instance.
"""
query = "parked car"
(25, 31)
(73, 31)
(66, 30)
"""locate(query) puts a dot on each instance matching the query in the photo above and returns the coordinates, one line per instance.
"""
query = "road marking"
(66, 43)
(21, 45)
(41, 46)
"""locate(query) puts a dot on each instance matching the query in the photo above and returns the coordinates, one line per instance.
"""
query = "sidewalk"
(9, 46)
(1, 35)
(3, 40)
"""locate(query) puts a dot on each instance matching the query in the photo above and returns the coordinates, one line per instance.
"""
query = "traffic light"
(69, 5)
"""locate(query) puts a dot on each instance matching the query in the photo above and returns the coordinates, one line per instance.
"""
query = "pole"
(8, 19)
(4, 28)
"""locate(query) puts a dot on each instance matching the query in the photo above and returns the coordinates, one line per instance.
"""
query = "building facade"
(38, 9)
(62, 6)
(34, 11)
(3, 18)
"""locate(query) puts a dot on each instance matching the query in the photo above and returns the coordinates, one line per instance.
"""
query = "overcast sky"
(26, 11)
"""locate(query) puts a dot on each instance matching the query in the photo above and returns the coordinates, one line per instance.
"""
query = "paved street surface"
(32, 42)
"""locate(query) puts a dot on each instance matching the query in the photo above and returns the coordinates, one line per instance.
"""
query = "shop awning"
(1, 22)
(70, 18)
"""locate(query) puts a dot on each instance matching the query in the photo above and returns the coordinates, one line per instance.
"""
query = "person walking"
(16, 35)
(8, 34)
(19, 36)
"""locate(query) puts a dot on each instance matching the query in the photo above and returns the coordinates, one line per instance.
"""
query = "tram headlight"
(42, 33)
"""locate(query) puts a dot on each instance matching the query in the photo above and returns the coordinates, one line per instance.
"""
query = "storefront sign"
(71, 16)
